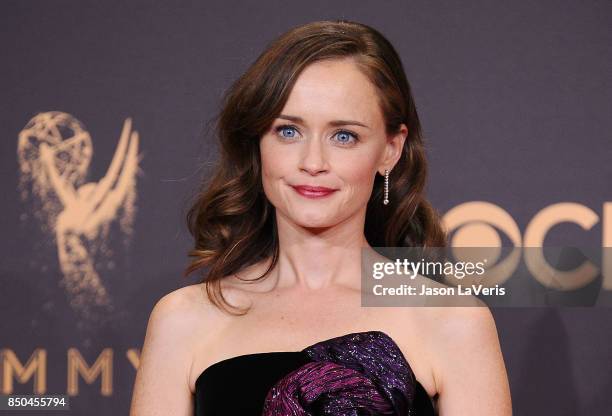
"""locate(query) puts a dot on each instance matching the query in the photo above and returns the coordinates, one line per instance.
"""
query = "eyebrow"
(331, 123)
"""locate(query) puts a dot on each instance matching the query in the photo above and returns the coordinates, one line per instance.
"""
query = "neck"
(317, 258)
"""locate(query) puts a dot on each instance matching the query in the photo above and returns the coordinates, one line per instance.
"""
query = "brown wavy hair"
(232, 221)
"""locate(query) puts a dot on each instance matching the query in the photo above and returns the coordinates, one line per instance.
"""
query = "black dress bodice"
(362, 373)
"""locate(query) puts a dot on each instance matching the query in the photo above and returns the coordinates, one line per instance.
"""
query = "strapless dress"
(357, 374)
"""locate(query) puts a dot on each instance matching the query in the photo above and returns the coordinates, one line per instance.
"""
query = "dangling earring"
(386, 199)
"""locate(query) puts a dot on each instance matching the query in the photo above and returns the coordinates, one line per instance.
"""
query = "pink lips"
(313, 191)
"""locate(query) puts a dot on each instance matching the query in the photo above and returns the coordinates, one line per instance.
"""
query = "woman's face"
(330, 134)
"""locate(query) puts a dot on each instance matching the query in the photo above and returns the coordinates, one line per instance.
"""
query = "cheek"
(274, 166)
(268, 160)
(359, 174)
(267, 170)
(277, 160)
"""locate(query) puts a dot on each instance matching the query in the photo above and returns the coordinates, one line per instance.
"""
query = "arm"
(161, 386)
(470, 373)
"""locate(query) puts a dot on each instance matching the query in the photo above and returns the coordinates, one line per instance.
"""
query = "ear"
(393, 149)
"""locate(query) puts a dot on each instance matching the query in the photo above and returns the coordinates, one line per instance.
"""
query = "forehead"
(334, 89)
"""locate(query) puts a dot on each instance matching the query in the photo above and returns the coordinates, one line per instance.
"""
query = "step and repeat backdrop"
(105, 111)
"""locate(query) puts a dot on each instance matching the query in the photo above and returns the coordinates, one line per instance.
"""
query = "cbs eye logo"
(474, 228)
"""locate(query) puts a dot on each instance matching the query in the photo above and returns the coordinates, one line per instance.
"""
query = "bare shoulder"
(174, 328)
(185, 299)
(471, 325)
(189, 313)
(181, 310)
(469, 362)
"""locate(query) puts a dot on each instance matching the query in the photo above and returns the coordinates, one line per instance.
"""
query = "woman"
(321, 159)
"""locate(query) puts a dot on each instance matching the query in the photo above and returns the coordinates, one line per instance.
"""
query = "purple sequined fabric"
(352, 375)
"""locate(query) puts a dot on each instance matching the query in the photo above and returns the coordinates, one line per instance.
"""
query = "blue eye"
(279, 129)
(345, 136)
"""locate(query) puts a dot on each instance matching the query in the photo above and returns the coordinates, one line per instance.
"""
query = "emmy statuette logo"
(54, 152)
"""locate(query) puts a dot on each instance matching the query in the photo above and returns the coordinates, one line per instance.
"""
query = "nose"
(313, 159)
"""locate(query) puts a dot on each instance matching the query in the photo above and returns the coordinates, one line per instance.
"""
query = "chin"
(314, 222)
